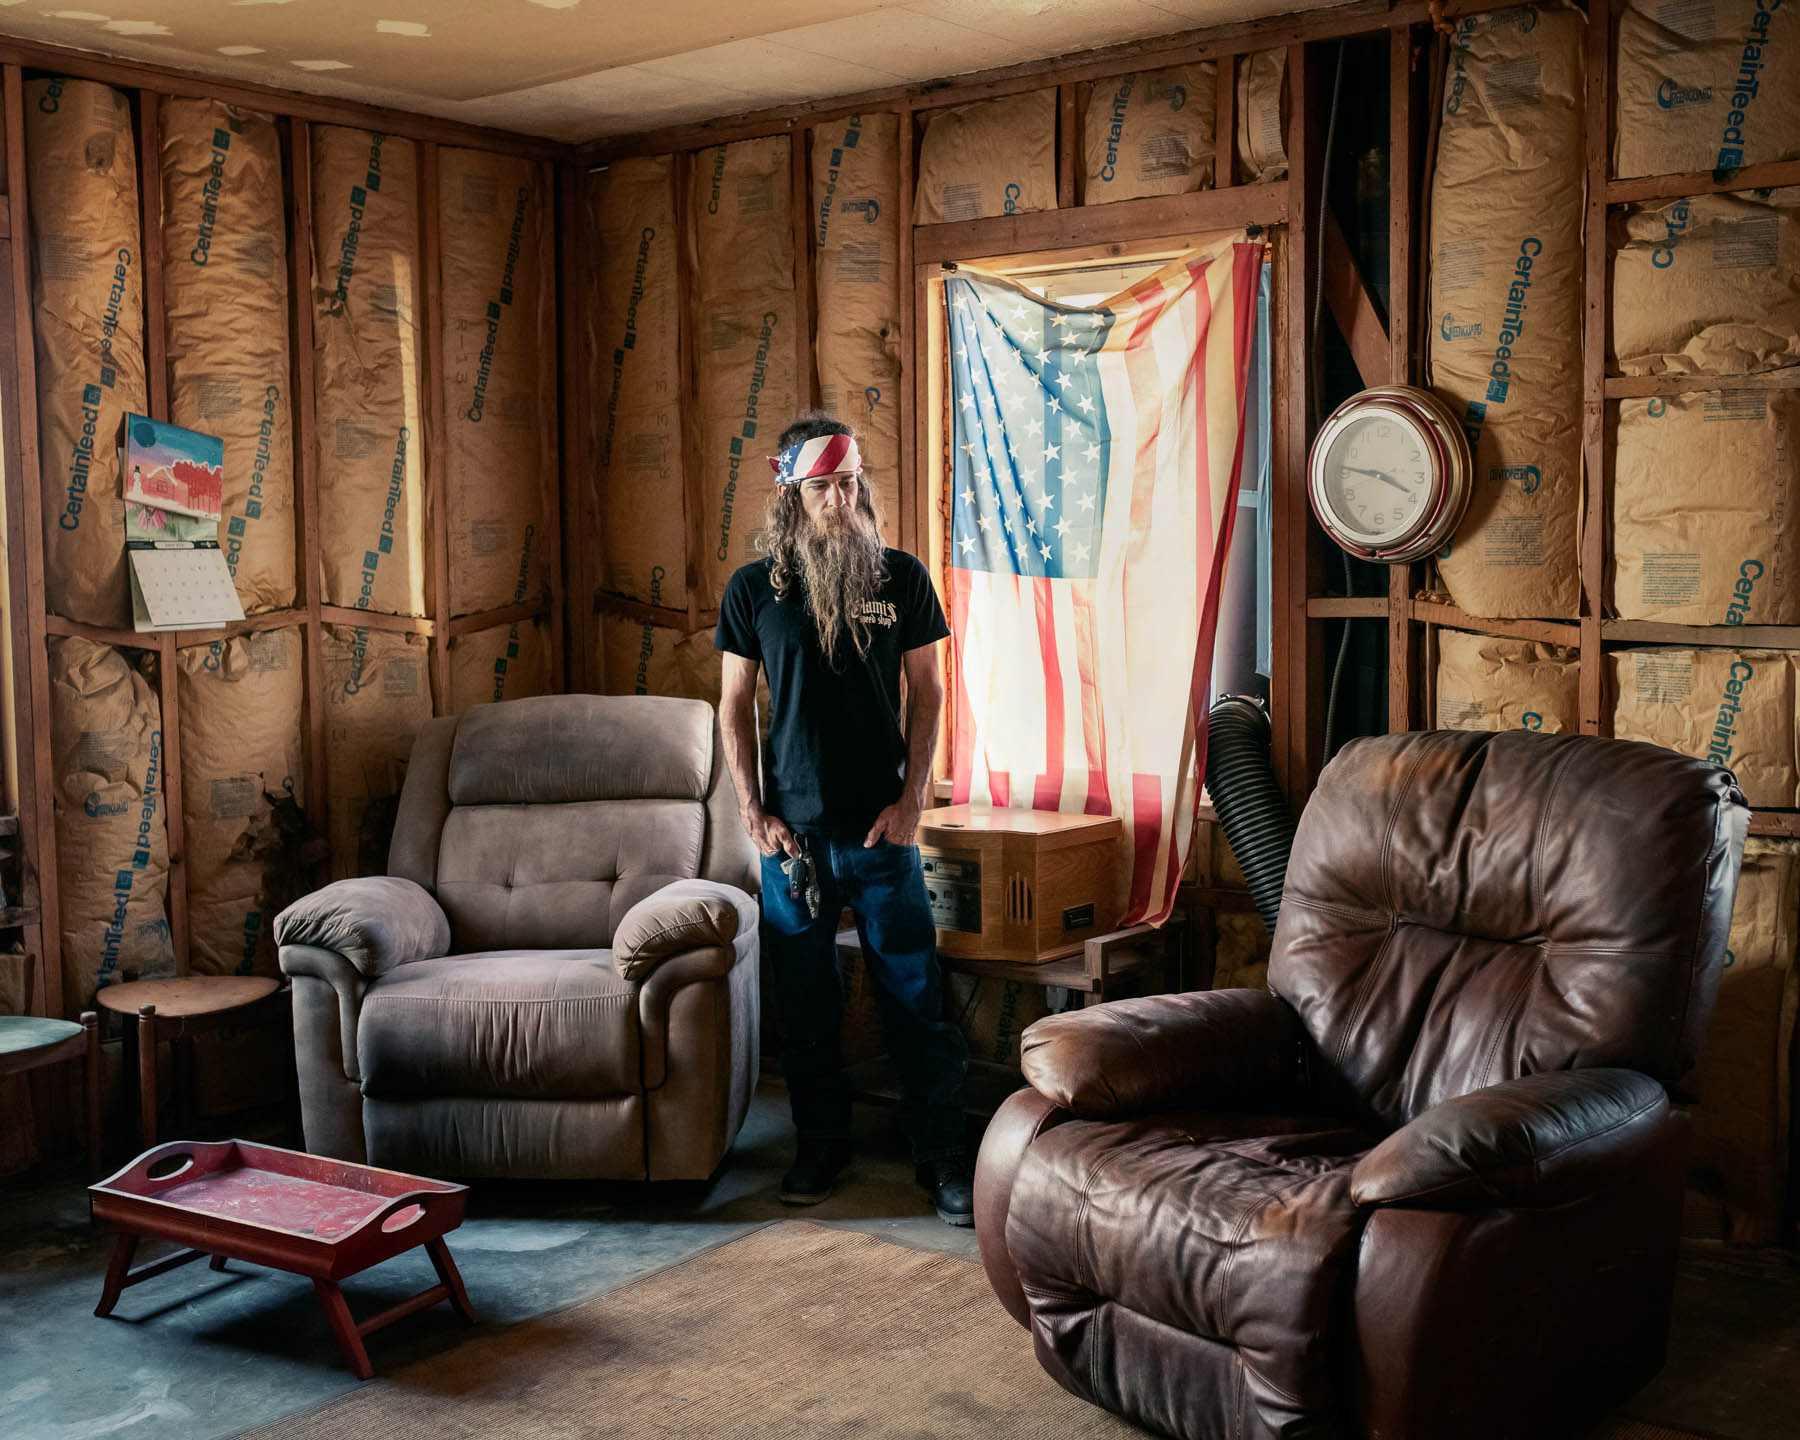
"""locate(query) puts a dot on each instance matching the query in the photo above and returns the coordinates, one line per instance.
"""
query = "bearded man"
(834, 617)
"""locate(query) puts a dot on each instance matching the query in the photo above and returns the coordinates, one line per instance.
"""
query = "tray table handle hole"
(400, 1219)
(167, 1167)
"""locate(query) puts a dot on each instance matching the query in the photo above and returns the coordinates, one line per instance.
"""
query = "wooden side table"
(177, 1010)
(28, 1041)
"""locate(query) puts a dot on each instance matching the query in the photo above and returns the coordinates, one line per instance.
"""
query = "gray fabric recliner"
(558, 976)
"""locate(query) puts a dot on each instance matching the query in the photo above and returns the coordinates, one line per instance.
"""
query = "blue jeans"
(885, 889)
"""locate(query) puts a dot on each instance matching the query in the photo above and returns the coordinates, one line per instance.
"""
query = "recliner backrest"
(1463, 908)
(538, 823)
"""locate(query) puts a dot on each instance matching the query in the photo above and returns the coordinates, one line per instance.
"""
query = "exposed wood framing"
(25, 660)
(1654, 189)
(435, 470)
(1403, 653)
(1549, 632)
(1068, 143)
(1623, 387)
(306, 460)
(550, 412)
(1352, 308)
(581, 536)
(687, 321)
(1595, 492)
(1225, 123)
(799, 170)
(1060, 231)
(910, 520)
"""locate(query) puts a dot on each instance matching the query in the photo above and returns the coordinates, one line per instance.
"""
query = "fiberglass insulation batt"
(634, 422)
(1505, 340)
(745, 347)
(241, 705)
(367, 345)
(225, 296)
(88, 317)
(856, 276)
(499, 372)
(112, 849)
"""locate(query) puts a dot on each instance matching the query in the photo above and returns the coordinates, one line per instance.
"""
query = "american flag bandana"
(822, 455)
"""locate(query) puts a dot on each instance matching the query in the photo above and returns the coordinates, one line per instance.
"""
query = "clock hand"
(1380, 475)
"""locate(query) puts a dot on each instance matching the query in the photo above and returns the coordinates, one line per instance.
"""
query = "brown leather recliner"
(558, 975)
(1430, 1186)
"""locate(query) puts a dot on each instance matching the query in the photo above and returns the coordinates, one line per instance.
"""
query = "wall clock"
(1390, 473)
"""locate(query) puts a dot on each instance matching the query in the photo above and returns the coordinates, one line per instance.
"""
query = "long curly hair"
(834, 573)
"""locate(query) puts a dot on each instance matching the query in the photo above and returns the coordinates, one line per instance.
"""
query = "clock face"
(1376, 475)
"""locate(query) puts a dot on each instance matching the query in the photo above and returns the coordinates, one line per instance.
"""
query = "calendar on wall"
(174, 488)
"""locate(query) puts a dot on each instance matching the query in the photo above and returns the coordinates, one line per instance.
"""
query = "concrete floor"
(197, 1354)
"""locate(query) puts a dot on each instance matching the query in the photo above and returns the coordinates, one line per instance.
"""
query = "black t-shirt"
(836, 753)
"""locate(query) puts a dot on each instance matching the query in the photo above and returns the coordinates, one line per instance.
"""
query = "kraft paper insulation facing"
(1709, 284)
(1705, 514)
(1149, 134)
(377, 695)
(1487, 682)
(503, 662)
(992, 1013)
(745, 347)
(1738, 1163)
(635, 416)
(1505, 338)
(1262, 116)
(855, 216)
(88, 316)
(1733, 707)
(242, 702)
(499, 378)
(225, 296)
(1704, 85)
(992, 157)
(368, 344)
(112, 850)
(1240, 951)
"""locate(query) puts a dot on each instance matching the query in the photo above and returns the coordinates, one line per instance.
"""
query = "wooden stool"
(28, 1041)
(176, 1010)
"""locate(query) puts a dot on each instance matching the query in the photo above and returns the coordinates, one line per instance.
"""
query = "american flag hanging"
(1095, 480)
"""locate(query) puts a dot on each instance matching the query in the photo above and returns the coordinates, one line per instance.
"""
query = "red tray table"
(325, 1219)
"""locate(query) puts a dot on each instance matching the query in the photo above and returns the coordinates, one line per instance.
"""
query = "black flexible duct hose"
(1252, 811)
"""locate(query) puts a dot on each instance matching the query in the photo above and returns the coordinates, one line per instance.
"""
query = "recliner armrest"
(1216, 1048)
(687, 915)
(376, 923)
(1532, 1141)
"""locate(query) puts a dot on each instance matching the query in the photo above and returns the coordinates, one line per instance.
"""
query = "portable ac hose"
(1252, 810)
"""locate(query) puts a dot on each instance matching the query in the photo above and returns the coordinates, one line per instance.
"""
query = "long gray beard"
(841, 568)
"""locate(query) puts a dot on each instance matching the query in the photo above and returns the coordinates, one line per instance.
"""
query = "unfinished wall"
(377, 695)
(112, 850)
(992, 157)
(1486, 682)
(503, 662)
(367, 344)
(1148, 133)
(1708, 284)
(88, 315)
(746, 353)
(1241, 946)
(1733, 707)
(225, 298)
(1703, 86)
(855, 219)
(499, 377)
(635, 415)
(1262, 116)
(1505, 338)
(1738, 1165)
(242, 701)
(1706, 509)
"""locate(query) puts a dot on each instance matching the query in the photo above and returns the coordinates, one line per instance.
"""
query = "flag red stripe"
(1047, 793)
(1146, 834)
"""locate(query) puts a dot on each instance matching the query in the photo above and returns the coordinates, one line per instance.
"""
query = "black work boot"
(951, 1187)
(817, 1166)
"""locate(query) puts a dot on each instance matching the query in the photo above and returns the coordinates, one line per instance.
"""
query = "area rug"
(796, 1329)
